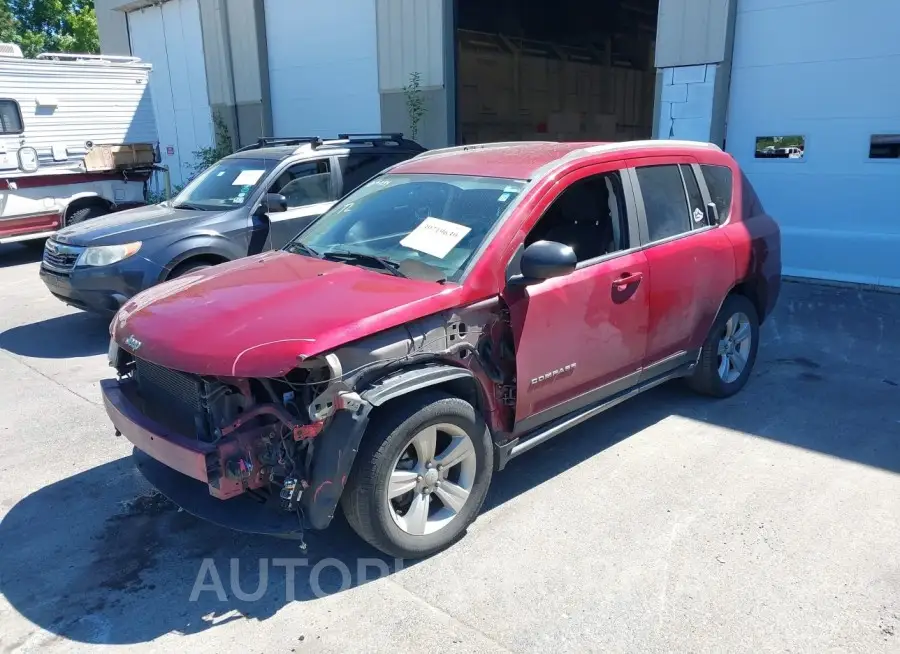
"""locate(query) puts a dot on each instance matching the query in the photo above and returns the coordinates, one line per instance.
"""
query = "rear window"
(10, 117)
(751, 206)
(360, 168)
(719, 183)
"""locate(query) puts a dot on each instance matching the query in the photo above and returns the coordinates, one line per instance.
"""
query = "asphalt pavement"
(768, 522)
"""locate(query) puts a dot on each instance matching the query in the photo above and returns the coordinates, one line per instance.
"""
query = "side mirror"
(546, 259)
(272, 203)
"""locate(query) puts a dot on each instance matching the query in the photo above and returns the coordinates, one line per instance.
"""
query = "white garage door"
(168, 36)
(824, 75)
(323, 67)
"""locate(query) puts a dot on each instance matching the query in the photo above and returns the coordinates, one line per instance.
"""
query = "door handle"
(626, 280)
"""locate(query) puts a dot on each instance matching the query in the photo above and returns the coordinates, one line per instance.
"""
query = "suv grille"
(60, 258)
(172, 398)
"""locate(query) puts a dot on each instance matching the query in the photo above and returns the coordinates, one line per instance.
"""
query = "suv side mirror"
(272, 203)
(546, 259)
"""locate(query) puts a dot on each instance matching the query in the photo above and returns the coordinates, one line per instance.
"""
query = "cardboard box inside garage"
(524, 91)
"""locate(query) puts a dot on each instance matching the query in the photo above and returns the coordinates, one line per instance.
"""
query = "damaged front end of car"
(272, 455)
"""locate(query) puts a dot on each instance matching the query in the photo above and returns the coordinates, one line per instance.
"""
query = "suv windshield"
(226, 184)
(425, 226)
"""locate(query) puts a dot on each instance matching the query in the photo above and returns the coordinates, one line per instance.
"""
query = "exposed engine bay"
(269, 438)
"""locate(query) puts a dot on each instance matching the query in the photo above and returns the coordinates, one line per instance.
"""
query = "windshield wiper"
(189, 206)
(299, 248)
(364, 259)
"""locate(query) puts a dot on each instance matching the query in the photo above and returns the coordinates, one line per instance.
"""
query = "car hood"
(127, 226)
(257, 316)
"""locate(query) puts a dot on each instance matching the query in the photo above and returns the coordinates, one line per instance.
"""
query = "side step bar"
(543, 434)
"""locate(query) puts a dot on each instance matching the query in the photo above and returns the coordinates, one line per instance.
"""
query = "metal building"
(802, 92)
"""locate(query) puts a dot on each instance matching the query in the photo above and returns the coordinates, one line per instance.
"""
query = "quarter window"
(10, 117)
(665, 203)
(305, 183)
(589, 216)
(719, 182)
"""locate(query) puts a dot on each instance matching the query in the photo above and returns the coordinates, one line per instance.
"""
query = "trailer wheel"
(85, 213)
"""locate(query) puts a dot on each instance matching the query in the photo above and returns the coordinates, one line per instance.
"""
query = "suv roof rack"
(268, 142)
(376, 138)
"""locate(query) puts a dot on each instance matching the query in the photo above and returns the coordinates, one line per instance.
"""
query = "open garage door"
(168, 36)
(814, 119)
(569, 70)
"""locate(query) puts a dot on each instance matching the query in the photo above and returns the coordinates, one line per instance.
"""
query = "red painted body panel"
(29, 225)
(585, 318)
(255, 316)
(59, 179)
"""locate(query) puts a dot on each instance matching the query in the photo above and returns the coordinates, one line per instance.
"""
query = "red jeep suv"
(453, 312)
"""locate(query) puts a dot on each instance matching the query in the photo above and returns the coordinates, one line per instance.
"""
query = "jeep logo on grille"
(133, 343)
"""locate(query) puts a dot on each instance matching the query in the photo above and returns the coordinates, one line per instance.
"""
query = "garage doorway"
(566, 70)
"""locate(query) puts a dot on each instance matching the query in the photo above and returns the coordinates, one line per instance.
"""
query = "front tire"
(729, 352)
(421, 475)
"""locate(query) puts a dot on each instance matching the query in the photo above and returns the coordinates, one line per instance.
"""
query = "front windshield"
(226, 184)
(426, 226)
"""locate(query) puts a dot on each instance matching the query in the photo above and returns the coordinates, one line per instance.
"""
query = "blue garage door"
(814, 117)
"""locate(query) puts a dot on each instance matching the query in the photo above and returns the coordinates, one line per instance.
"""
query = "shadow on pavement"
(126, 568)
(77, 334)
(17, 254)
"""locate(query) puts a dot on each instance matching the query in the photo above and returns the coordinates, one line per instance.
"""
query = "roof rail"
(478, 146)
(369, 136)
(269, 142)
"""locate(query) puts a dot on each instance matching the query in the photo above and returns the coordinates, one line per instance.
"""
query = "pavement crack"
(22, 361)
(422, 600)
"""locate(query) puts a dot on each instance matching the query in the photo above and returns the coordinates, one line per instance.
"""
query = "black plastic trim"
(411, 380)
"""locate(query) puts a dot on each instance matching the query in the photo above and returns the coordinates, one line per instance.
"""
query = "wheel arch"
(197, 250)
(85, 200)
(754, 289)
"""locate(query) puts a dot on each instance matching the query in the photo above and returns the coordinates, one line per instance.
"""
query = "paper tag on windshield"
(247, 177)
(435, 237)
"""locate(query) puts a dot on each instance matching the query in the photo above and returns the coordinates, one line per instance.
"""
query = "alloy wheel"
(734, 347)
(432, 479)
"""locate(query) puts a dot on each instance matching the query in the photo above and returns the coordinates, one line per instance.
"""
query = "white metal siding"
(169, 37)
(410, 39)
(94, 102)
(826, 70)
(323, 71)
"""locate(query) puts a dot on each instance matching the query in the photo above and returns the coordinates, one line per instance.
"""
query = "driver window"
(589, 216)
(305, 183)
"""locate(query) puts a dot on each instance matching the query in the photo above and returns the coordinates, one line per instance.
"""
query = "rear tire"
(408, 507)
(86, 213)
(729, 352)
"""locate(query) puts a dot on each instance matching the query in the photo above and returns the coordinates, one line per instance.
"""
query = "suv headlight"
(105, 255)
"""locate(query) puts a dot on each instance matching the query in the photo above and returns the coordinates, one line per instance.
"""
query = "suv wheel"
(730, 349)
(420, 477)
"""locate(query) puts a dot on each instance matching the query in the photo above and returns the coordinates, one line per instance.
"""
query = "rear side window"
(359, 168)
(751, 206)
(665, 203)
(10, 117)
(719, 183)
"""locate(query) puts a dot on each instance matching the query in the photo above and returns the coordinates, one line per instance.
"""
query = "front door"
(309, 189)
(582, 337)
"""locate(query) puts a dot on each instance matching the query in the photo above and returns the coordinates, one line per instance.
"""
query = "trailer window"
(10, 117)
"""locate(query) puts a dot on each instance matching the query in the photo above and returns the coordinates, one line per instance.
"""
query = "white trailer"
(77, 139)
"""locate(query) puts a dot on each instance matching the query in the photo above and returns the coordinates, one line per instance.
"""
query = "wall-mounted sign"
(170, 151)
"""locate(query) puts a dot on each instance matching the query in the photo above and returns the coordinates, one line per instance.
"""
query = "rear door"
(690, 259)
(582, 337)
(357, 168)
